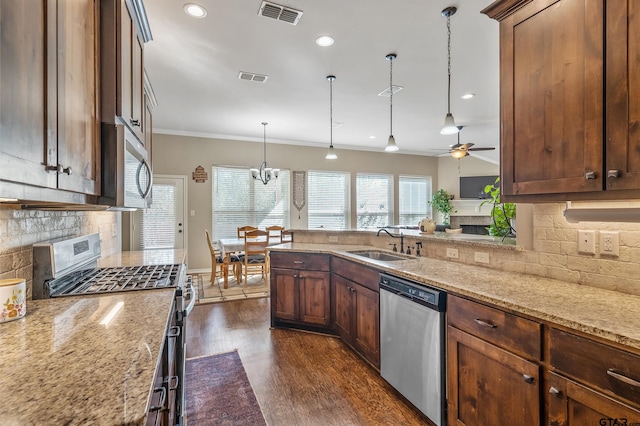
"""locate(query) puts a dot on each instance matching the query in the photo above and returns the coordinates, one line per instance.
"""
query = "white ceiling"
(193, 65)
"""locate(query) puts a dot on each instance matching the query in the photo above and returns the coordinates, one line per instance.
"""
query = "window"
(328, 200)
(374, 198)
(414, 193)
(240, 200)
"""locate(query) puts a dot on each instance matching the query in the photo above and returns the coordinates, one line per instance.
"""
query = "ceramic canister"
(13, 299)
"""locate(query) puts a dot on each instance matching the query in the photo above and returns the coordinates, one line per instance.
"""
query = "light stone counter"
(607, 314)
(59, 365)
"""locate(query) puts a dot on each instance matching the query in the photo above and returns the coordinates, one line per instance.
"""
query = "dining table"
(231, 246)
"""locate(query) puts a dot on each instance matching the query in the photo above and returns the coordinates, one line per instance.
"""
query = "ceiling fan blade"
(482, 149)
(466, 146)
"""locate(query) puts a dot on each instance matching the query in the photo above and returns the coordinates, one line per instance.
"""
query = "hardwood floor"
(299, 378)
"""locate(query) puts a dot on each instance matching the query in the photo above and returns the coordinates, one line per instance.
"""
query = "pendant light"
(449, 127)
(265, 173)
(391, 143)
(331, 154)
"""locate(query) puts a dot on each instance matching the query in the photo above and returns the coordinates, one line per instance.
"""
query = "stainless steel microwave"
(127, 175)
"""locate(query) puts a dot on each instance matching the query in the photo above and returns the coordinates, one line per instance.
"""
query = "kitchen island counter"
(610, 315)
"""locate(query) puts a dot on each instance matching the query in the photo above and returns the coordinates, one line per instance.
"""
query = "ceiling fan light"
(331, 154)
(449, 127)
(391, 145)
(459, 153)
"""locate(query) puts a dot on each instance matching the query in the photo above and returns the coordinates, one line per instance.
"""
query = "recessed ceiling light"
(324, 41)
(372, 137)
(468, 95)
(195, 10)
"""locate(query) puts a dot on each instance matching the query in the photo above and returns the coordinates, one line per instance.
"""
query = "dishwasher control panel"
(435, 299)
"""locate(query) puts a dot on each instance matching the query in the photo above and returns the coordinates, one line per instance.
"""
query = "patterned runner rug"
(215, 292)
(218, 392)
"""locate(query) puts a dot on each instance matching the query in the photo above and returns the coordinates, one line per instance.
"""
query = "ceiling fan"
(462, 150)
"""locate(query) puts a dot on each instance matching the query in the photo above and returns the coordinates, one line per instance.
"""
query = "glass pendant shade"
(265, 173)
(331, 154)
(391, 144)
(459, 153)
(449, 127)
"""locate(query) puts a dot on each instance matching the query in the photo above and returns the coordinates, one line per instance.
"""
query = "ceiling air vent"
(252, 77)
(280, 13)
(387, 92)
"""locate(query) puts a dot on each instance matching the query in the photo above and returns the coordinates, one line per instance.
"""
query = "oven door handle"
(192, 299)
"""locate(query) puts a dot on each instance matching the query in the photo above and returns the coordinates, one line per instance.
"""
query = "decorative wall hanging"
(200, 176)
(299, 190)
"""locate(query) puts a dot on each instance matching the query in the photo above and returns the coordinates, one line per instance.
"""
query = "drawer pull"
(555, 392)
(298, 262)
(484, 323)
(628, 380)
(528, 379)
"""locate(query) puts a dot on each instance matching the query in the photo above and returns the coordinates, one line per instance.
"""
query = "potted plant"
(502, 214)
(441, 201)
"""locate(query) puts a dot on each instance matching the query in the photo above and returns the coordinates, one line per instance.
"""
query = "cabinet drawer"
(614, 371)
(306, 261)
(357, 273)
(511, 332)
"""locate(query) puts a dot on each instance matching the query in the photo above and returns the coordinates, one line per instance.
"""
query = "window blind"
(157, 223)
(239, 200)
(414, 193)
(328, 199)
(374, 200)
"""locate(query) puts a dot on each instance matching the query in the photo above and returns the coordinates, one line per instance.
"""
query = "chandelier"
(265, 173)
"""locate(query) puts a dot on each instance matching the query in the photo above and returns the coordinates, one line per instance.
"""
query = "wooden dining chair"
(243, 229)
(217, 261)
(275, 233)
(286, 236)
(256, 254)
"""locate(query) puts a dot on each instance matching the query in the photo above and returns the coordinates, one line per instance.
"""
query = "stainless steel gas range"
(68, 267)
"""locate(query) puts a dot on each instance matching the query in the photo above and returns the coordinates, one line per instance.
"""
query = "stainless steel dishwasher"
(412, 343)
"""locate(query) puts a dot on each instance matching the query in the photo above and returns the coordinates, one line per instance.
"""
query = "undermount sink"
(379, 255)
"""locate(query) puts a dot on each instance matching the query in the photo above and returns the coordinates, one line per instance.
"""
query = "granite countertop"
(60, 365)
(607, 314)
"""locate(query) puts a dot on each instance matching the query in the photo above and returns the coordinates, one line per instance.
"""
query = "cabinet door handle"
(628, 380)
(528, 379)
(613, 174)
(163, 399)
(135, 122)
(298, 262)
(67, 170)
(57, 169)
(484, 323)
(555, 392)
(590, 175)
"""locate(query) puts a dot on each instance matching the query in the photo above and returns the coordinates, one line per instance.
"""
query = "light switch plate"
(587, 242)
(452, 253)
(609, 243)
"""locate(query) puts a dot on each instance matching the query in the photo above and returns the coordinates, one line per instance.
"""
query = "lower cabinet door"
(571, 404)
(283, 294)
(366, 331)
(342, 306)
(489, 386)
(315, 301)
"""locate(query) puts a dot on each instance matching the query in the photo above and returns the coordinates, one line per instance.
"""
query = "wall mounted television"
(472, 187)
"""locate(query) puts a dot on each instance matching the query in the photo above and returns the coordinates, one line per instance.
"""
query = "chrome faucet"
(393, 236)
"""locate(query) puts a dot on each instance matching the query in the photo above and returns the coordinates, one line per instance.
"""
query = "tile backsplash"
(20, 229)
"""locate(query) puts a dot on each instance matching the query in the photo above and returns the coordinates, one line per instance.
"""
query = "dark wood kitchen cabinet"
(300, 290)
(49, 129)
(591, 381)
(124, 30)
(569, 75)
(356, 307)
(493, 371)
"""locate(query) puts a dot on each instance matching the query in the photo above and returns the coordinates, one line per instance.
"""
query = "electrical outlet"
(609, 243)
(452, 253)
(481, 257)
(333, 238)
(587, 242)
(193, 212)
(114, 230)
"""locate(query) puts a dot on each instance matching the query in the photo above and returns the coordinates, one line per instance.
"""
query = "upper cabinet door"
(78, 122)
(552, 76)
(623, 95)
(27, 94)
